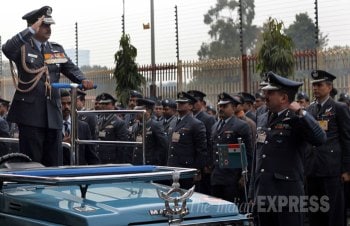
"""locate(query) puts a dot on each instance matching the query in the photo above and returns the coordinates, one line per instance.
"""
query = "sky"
(99, 24)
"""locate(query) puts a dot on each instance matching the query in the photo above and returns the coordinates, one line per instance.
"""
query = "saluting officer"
(224, 182)
(35, 106)
(156, 141)
(328, 166)
(111, 128)
(188, 146)
(277, 169)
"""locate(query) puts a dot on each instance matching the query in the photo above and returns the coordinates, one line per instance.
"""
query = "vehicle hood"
(105, 204)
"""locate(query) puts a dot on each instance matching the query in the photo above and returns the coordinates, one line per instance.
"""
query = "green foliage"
(302, 32)
(224, 29)
(276, 52)
(125, 72)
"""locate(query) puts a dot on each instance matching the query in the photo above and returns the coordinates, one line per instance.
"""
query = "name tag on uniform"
(323, 124)
(175, 137)
(139, 138)
(261, 137)
(102, 134)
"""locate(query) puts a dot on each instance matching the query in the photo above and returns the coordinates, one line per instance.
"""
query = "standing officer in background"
(277, 169)
(224, 182)
(158, 111)
(89, 118)
(188, 146)
(303, 99)
(35, 106)
(130, 117)
(155, 139)
(248, 105)
(328, 166)
(169, 114)
(111, 128)
(87, 153)
(199, 112)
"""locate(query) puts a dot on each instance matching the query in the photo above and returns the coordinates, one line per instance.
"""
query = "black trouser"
(41, 144)
(333, 189)
(283, 218)
(228, 192)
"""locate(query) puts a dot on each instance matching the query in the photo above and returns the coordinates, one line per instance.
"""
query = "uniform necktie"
(221, 124)
(318, 107)
(66, 128)
(178, 121)
(42, 48)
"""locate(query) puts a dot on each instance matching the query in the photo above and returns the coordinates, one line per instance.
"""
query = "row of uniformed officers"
(288, 146)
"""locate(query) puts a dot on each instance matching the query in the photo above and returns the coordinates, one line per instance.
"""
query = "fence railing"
(215, 76)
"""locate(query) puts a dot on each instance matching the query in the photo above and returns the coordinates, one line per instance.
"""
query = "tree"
(303, 31)
(224, 29)
(125, 72)
(276, 52)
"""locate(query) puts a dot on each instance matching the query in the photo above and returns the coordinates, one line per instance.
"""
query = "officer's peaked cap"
(169, 103)
(211, 108)
(197, 94)
(320, 76)
(34, 15)
(225, 98)
(134, 93)
(183, 97)
(277, 82)
(145, 102)
(106, 98)
(249, 98)
(302, 95)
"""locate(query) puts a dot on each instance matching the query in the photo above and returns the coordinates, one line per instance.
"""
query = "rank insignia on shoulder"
(55, 58)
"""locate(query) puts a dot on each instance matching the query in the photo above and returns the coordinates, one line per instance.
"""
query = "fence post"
(245, 73)
(179, 76)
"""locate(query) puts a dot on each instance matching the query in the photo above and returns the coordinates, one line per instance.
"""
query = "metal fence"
(215, 76)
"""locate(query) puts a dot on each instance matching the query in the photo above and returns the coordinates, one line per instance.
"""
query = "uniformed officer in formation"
(111, 128)
(35, 106)
(11, 132)
(188, 146)
(277, 169)
(211, 110)
(303, 99)
(170, 116)
(129, 118)
(224, 181)
(239, 113)
(156, 141)
(199, 112)
(89, 118)
(328, 166)
(87, 152)
(248, 105)
(158, 111)
(259, 104)
(5, 148)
